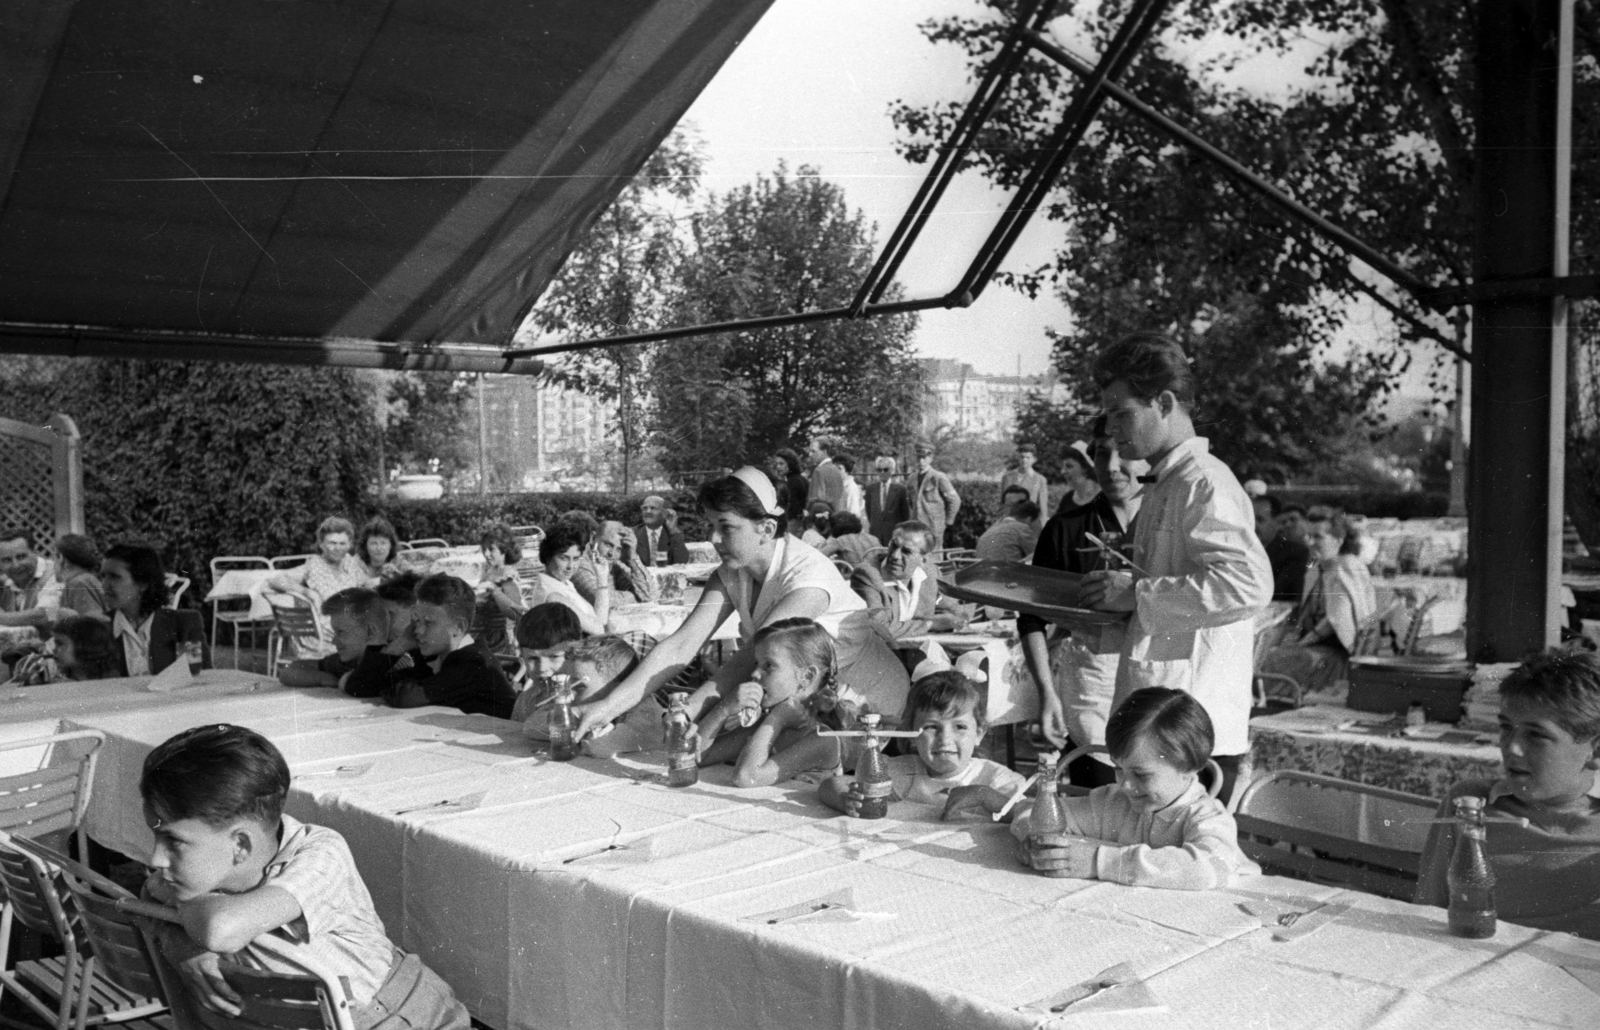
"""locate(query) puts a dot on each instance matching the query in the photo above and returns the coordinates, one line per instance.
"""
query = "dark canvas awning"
(256, 176)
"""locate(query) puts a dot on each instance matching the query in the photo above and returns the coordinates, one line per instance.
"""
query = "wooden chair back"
(297, 626)
(120, 979)
(1329, 830)
(52, 797)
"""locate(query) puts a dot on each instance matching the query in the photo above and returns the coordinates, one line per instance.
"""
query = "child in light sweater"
(1156, 826)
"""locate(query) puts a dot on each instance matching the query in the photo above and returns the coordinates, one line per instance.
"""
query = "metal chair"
(427, 542)
(289, 561)
(63, 990)
(121, 969)
(1408, 645)
(1328, 830)
(50, 799)
(294, 625)
(239, 618)
(269, 1000)
(845, 568)
(177, 586)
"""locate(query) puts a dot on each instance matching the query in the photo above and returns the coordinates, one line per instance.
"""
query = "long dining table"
(590, 894)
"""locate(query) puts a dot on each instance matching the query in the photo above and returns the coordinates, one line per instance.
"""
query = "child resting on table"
(544, 633)
(594, 667)
(397, 599)
(359, 625)
(263, 890)
(1541, 822)
(950, 713)
(1156, 826)
(80, 649)
(448, 667)
(768, 727)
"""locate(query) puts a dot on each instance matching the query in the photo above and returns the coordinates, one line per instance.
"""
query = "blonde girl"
(770, 723)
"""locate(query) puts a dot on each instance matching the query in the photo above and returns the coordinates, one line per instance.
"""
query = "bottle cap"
(869, 720)
(1471, 802)
(676, 698)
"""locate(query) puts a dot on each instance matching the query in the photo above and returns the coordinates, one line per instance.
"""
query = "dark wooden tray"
(1047, 593)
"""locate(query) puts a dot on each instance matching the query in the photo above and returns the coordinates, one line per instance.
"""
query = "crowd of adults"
(803, 538)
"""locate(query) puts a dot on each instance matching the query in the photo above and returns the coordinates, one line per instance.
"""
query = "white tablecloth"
(510, 892)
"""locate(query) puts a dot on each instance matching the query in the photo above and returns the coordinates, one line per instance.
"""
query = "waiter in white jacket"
(1203, 574)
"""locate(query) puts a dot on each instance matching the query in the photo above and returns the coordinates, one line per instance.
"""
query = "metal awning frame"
(1099, 83)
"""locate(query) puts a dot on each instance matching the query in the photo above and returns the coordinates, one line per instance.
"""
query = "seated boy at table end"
(544, 633)
(1156, 826)
(596, 666)
(950, 712)
(395, 649)
(357, 618)
(449, 667)
(260, 889)
(1542, 824)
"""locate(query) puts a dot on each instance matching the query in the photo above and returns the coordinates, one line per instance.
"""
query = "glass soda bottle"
(563, 744)
(683, 761)
(1049, 820)
(1470, 876)
(872, 772)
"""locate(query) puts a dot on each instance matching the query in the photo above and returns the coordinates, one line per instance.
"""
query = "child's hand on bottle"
(1068, 856)
(853, 799)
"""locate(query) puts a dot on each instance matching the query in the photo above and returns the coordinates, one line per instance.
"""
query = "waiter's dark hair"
(1149, 363)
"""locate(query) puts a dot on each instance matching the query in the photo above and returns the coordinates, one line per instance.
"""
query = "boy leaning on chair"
(240, 871)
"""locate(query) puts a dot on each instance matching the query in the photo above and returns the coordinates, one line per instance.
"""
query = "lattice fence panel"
(41, 481)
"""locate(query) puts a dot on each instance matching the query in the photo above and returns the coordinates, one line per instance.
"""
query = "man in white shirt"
(901, 591)
(855, 501)
(1203, 572)
(28, 585)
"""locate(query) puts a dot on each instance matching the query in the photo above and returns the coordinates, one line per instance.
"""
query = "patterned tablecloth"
(588, 894)
(1310, 740)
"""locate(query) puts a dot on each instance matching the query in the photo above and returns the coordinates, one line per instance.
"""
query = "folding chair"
(240, 619)
(294, 625)
(1408, 645)
(63, 990)
(428, 542)
(119, 978)
(49, 800)
(845, 568)
(1328, 830)
(290, 561)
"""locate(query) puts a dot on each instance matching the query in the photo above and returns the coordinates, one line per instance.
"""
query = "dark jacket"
(881, 517)
(469, 678)
(1064, 544)
(168, 630)
(677, 550)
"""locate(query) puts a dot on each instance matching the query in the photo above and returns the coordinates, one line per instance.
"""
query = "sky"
(814, 83)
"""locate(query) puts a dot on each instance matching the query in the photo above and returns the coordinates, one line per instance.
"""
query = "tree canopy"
(1376, 135)
(786, 243)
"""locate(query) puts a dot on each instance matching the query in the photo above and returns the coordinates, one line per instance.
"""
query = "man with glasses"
(887, 504)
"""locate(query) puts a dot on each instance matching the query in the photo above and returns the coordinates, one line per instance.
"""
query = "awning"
(247, 179)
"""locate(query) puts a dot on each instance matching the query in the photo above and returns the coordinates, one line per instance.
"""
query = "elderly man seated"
(902, 591)
(29, 589)
(657, 542)
(617, 555)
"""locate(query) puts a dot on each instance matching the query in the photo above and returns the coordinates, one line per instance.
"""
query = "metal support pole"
(1514, 537)
(483, 442)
